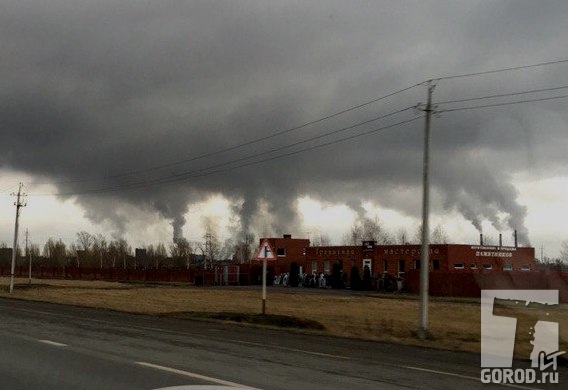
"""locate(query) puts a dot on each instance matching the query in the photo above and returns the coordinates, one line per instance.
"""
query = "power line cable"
(278, 149)
(243, 144)
(279, 133)
(504, 95)
(314, 147)
(203, 171)
(501, 70)
(180, 176)
(193, 174)
(9, 188)
(503, 104)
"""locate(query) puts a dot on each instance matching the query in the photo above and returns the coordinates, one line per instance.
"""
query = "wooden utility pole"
(19, 204)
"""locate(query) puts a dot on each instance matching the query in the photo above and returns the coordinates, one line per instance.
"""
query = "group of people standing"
(385, 282)
(313, 279)
(390, 283)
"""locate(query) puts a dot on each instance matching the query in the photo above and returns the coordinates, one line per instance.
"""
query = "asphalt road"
(48, 346)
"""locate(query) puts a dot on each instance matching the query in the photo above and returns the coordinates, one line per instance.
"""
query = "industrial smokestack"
(481, 239)
(515, 235)
(500, 239)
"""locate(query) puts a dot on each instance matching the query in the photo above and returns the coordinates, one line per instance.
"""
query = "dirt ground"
(454, 323)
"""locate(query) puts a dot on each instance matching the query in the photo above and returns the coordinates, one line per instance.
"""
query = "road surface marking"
(185, 333)
(54, 343)
(312, 353)
(291, 349)
(194, 375)
(466, 377)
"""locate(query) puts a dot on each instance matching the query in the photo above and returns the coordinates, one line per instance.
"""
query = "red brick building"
(287, 250)
(397, 259)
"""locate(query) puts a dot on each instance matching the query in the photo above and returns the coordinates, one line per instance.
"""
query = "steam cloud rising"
(99, 96)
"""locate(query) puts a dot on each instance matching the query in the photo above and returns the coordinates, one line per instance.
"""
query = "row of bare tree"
(372, 229)
(95, 250)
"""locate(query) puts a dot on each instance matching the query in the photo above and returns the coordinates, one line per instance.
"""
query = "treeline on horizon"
(95, 250)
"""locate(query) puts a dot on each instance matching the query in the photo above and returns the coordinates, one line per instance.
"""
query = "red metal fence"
(220, 275)
(465, 283)
(459, 283)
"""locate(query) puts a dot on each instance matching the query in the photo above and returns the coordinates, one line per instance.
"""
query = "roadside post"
(264, 253)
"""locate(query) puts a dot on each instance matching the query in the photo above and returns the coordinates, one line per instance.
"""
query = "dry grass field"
(454, 323)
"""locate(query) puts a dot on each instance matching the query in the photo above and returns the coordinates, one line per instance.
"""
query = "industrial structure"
(397, 259)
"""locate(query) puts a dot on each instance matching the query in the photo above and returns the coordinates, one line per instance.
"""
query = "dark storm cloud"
(92, 90)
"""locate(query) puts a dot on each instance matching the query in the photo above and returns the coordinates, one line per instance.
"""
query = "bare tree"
(32, 252)
(151, 255)
(119, 250)
(55, 252)
(210, 247)
(439, 235)
(417, 238)
(85, 240)
(368, 229)
(321, 239)
(85, 243)
(160, 253)
(19, 253)
(181, 251)
(100, 247)
(154, 255)
(227, 250)
(564, 251)
(401, 237)
(373, 230)
(243, 249)
(355, 235)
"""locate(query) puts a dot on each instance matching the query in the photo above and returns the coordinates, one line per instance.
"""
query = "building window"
(314, 266)
(416, 264)
(487, 266)
(458, 266)
(436, 265)
(401, 267)
(385, 265)
(473, 266)
(281, 251)
(367, 263)
(525, 267)
(326, 267)
(507, 267)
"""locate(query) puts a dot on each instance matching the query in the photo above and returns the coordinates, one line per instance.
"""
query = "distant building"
(287, 250)
(397, 259)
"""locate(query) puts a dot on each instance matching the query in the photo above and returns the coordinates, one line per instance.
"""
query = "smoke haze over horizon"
(133, 110)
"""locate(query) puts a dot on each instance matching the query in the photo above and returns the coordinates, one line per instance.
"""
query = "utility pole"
(29, 252)
(425, 251)
(19, 204)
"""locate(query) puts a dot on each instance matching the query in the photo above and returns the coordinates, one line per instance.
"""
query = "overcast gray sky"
(123, 105)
